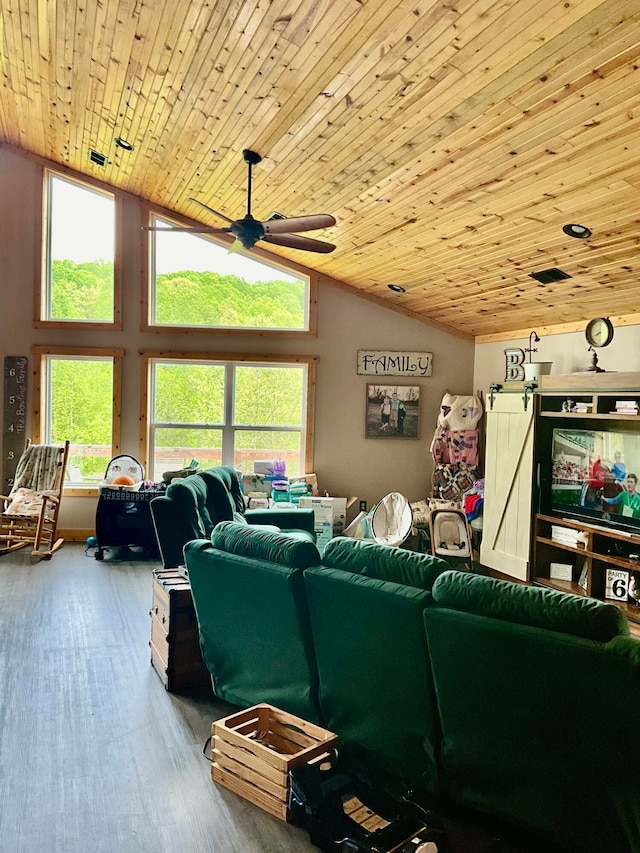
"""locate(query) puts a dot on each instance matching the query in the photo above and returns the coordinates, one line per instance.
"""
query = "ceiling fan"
(247, 231)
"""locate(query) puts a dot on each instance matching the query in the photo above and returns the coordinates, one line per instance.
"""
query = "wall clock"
(599, 332)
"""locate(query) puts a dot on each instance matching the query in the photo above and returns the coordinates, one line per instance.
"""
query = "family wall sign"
(388, 363)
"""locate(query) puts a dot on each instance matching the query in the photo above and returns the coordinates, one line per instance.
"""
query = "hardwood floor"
(95, 755)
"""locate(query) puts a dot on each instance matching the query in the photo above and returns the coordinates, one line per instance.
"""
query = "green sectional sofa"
(513, 700)
(191, 508)
(539, 696)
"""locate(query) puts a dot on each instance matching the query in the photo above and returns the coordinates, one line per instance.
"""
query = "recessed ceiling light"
(397, 288)
(123, 143)
(579, 231)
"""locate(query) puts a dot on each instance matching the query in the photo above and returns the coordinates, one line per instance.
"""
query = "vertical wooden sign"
(14, 417)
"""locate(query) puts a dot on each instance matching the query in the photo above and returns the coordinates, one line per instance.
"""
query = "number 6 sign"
(616, 584)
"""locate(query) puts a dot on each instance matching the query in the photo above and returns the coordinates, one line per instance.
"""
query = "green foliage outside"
(82, 394)
(84, 292)
(81, 411)
(209, 299)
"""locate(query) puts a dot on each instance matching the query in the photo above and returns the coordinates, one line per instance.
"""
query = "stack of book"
(565, 535)
(626, 407)
(582, 408)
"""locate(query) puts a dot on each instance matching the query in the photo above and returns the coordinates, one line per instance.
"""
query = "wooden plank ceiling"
(451, 140)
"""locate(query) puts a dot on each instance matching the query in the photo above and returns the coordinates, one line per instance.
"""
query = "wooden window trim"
(148, 356)
(41, 257)
(40, 354)
(146, 255)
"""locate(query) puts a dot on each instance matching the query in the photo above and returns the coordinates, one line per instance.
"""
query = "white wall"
(568, 353)
(346, 462)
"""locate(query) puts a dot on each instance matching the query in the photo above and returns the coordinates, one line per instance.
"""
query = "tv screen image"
(594, 473)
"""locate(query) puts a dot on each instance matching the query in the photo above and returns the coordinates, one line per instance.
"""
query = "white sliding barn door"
(506, 528)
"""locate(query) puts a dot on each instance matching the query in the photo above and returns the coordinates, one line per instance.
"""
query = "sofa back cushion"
(376, 690)
(222, 501)
(527, 605)
(253, 621)
(190, 498)
(383, 562)
(534, 710)
(260, 544)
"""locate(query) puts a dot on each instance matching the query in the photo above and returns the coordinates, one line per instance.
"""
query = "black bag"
(344, 814)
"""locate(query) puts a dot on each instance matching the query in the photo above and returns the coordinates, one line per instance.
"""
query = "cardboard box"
(254, 750)
(338, 507)
(256, 483)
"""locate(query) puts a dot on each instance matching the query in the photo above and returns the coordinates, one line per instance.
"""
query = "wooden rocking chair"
(30, 511)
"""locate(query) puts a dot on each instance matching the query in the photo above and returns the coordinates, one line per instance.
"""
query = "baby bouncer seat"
(391, 520)
(450, 536)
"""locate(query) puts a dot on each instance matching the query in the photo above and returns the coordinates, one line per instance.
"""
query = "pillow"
(262, 543)
(536, 607)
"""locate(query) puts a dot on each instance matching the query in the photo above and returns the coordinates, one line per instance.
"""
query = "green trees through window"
(80, 408)
(226, 413)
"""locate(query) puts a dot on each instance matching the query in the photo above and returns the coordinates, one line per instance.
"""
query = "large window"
(79, 392)
(229, 411)
(197, 282)
(79, 270)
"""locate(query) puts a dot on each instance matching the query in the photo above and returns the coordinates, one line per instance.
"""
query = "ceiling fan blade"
(211, 210)
(197, 229)
(293, 241)
(298, 223)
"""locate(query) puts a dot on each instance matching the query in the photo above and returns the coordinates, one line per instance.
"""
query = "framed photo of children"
(393, 411)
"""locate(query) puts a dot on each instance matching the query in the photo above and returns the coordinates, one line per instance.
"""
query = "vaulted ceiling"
(451, 140)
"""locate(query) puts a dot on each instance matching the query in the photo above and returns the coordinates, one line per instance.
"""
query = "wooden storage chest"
(175, 645)
(254, 750)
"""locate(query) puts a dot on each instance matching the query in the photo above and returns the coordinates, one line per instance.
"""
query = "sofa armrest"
(285, 519)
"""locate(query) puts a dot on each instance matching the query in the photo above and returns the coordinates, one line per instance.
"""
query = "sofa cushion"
(264, 544)
(190, 496)
(536, 607)
(383, 562)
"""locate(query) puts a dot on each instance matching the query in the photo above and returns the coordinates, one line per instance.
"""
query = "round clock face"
(599, 332)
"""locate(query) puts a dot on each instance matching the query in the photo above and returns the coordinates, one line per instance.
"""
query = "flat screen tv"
(594, 476)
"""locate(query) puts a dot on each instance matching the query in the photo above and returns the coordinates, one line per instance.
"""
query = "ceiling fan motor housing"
(248, 231)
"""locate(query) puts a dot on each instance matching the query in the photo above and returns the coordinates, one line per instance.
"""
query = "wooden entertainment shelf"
(603, 548)
(517, 539)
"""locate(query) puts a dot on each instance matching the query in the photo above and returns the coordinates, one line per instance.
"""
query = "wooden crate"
(254, 750)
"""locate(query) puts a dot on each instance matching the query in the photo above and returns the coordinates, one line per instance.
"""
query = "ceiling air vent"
(97, 158)
(547, 276)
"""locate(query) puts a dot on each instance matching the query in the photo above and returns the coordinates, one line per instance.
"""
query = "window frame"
(41, 278)
(269, 258)
(42, 354)
(148, 357)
